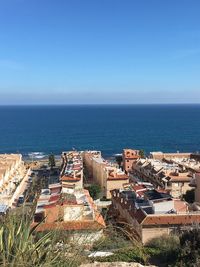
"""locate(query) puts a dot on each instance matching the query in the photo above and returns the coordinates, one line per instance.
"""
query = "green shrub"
(152, 252)
(189, 196)
(113, 239)
(165, 248)
(189, 255)
(94, 190)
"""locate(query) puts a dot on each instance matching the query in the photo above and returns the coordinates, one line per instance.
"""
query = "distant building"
(160, 155)
(195, 182)
(187, 161)
(104, 173)
(130, 157)
(72, 171)
(13, 174)
(147, 214)
(164, 174)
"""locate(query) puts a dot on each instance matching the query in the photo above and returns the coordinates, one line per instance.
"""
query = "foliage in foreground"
(189, 255)
(18, 247)
(21, 246)
(125, 249)
(165, 248)
(177, 251)
(112, 240)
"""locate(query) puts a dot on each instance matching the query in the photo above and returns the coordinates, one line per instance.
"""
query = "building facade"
(196, 184)
(130, 157)
(72, 170)
(12, 174)
(104, 173)
(152, 216)
(166, 175)
(73, 212)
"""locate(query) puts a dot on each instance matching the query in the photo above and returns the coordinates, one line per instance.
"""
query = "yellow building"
(104, 173)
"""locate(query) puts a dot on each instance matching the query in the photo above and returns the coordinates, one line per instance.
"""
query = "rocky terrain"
(115, 264)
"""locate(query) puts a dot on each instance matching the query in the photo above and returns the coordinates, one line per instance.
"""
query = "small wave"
(37, 155)
(40, 157)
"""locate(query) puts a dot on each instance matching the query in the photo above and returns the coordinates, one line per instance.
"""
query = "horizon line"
(100, 104)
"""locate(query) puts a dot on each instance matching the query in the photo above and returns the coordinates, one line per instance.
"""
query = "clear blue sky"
(99, 51)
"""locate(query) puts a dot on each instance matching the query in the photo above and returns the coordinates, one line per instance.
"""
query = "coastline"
(38, 162)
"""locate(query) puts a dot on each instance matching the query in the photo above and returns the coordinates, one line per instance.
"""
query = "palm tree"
(142, 153)
(119, 160)
(52, 162)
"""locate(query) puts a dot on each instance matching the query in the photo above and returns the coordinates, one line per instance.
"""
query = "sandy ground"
(35, 164)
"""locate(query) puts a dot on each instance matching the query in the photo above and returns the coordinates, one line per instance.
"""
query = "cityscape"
(99, 133)
(82, 195)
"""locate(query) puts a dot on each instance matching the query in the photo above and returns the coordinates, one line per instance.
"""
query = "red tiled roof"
(52, 186)
(140, 193)
(171, 219)
(180, 178)
(161, 190)
(180, 206)
(160, 219)
(97, 223)
(71, 225)
(139, 215)
(137, 188)
(129, 157)
(54, 198)
(69, 202)
(118, 177)
(68, 178)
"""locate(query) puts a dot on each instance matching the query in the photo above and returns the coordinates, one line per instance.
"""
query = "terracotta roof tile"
(180, 178)
(72, 225)
(171, 219)
(54, 198)
(118, 177)
(68, 178)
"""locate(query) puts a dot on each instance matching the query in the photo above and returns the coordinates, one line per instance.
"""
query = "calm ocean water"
(108, 128)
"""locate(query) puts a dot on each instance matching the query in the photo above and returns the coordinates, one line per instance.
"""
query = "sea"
(37, 131)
